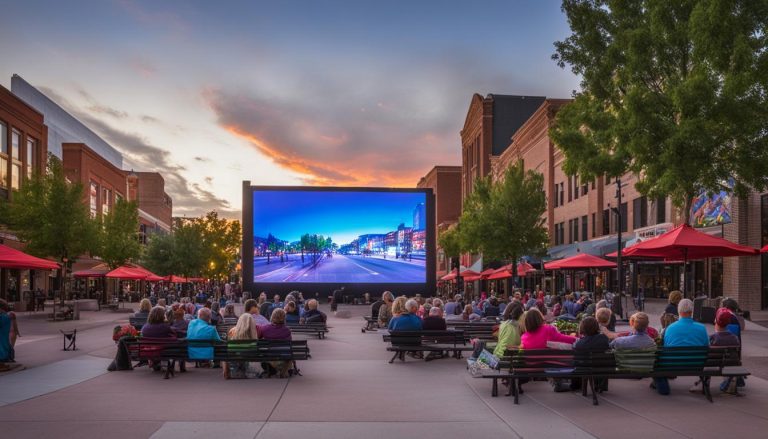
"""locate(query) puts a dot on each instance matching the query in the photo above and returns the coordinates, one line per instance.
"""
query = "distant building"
(62, 126)
(420, 217)
(445, 182)
(23, 148)
(155, 205)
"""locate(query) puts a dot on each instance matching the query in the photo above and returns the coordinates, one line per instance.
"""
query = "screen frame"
(322, 290)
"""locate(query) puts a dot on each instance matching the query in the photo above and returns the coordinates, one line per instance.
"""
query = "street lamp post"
(619, 267)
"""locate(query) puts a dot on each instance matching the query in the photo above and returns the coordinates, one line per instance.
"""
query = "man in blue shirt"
(684, 332)
(201, 329)
(408, 321)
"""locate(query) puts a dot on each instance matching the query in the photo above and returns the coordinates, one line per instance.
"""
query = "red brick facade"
(23, 142)
(102, 181)
(445, 182)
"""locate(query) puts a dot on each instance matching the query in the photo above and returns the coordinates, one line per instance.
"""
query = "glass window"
(15, 175)
(105, 201)
(3, 171)
(661, 210)
(31, 149)
(606, 222)
(584, 228)
(624, 219)
(3, 139)
(594, 226)
(15, 140)
(94, 197)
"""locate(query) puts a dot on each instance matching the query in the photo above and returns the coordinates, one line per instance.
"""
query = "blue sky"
(352, 93)
(341, 215)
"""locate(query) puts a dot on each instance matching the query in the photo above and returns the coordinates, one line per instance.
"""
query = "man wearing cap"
(684, 332)
(724, 337)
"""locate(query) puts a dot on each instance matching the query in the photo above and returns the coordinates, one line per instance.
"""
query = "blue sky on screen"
(341, 215)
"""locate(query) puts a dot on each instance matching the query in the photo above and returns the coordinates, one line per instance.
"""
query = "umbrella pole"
(685, 272)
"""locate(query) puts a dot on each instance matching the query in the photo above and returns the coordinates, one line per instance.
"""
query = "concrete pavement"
(349, 390)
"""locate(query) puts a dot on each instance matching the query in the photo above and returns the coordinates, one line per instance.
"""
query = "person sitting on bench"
(435, 320)
(384, 313)
(639, 338)
(201, 329)
(408, 320)
(684, 332)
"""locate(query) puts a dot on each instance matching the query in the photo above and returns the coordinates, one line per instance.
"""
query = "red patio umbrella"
(450, 276)
(124, 272)
(578, 262)
(176, 279)
(501, 273)
(524, 268)
(470, 275)
(12, 258)
(764, 249)
(684, 242)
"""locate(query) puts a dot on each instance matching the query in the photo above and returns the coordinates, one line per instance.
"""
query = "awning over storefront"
(12, 258)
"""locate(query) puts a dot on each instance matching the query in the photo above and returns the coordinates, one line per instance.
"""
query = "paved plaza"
(347, 390)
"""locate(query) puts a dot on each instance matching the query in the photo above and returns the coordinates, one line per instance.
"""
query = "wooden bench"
(371, 323)
(170, 351)
(666, 362)
(402, 342)
(137, 322)
(480, 329)
(319, 329)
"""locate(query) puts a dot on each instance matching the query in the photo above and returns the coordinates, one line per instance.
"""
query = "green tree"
(48, 214)
(475, 222)
(515, 217)
(222, 239)
(672, 91)
(190, 255)
(160, 255)
(118, 240)
(450, 241)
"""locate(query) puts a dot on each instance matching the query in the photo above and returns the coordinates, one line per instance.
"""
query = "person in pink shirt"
(537, 333)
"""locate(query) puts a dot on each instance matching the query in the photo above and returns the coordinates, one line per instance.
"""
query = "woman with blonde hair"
(245, 329)
(145, 306)
(398, 306)
(674, 298)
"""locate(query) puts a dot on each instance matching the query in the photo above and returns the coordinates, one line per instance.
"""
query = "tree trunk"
(687, 208)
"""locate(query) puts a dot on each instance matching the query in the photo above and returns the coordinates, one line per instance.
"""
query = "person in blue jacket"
(408, 321)
(684, 332)
(201, 329)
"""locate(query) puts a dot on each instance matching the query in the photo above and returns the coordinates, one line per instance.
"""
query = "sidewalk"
(349, 390)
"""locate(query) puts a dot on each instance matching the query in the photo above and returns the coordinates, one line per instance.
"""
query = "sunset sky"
(342, 93)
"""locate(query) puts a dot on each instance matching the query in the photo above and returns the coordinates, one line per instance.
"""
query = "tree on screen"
(675, 92)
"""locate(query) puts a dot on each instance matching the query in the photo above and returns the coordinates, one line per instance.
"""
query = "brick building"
(579, 219)
(155, 206)
(490, 123)
(103, 182)
(445, 182)
(23, 149)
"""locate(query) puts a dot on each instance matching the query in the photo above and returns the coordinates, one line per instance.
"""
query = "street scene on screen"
(339, 236)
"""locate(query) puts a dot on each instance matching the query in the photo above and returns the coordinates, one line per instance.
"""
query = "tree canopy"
(206, 246)
(48, 214)
(674, 92)
(118, 240)
(503, 220)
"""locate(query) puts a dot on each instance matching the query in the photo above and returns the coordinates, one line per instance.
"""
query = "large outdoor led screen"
(339, 236)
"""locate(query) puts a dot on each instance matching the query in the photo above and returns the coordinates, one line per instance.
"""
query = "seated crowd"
(525, 323)
(199, 321)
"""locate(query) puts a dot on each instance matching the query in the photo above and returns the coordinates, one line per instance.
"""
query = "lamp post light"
(618, 309)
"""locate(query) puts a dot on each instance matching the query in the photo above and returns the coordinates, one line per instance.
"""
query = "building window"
(557, 195)
(585, 188)
(624, 221)
(570, 189)
(584, 229)
(106, 200)
(31, 150)
(607, 222)
(93, 197)
(3, 156)
(661, 210)
(575, 187)
(639, 212)
(15, 159)
(594, 226)
(562, 192)
(593, 184)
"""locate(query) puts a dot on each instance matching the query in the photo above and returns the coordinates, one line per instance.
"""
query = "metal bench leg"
(516, 392)
(592, 386)
(495, 388)
(392, 360)
(584, 386)
(705, 388)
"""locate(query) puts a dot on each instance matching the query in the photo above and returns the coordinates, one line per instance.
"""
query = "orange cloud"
(322, 174)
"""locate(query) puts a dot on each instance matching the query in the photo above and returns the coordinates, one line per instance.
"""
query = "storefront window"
(31, 149)
(3, 156)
